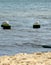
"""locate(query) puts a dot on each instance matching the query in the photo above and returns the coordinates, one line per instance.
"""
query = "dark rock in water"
(46, 46)
(5, 25)
(36, 25)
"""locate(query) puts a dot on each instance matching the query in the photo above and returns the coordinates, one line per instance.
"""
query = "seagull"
(37, 23)
(6, 22)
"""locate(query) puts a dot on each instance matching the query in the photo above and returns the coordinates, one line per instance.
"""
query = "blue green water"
(22, 14)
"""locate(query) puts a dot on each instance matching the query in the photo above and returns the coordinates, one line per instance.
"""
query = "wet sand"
(40, 58)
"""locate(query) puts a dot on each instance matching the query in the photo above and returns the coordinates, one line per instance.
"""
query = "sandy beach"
(40, 58)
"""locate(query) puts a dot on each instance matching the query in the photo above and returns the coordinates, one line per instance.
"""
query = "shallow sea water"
(22, 38)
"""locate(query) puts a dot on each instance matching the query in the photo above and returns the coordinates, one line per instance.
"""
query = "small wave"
(35, 45)
(28, 44)
(6, 46)
(44, 16)
(23, 14)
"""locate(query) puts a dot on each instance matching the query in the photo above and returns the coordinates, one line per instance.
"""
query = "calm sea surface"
(22, 14)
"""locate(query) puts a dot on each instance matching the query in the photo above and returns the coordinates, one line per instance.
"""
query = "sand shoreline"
(41, 58)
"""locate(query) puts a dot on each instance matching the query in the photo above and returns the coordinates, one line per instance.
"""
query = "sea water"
(22, 14)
